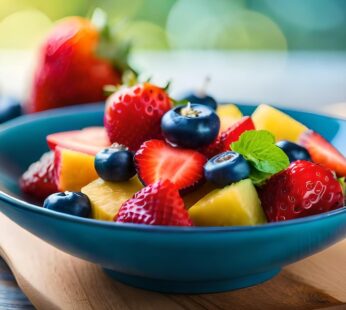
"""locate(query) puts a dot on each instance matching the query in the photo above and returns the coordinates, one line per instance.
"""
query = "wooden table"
(11, 297)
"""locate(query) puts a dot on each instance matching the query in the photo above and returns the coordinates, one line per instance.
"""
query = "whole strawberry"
(133, 114)
(70, 68)
(156, 204)
(303, 189)
(39, 179)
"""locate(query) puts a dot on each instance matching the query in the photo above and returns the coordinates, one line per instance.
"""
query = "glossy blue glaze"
(169, 259)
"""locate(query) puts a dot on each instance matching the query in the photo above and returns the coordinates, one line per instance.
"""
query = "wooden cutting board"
(55, 280)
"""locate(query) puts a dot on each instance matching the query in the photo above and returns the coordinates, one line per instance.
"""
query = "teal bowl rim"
(141, 227)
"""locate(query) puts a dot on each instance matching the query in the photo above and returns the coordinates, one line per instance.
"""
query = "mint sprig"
(259, 149)
(258, 177)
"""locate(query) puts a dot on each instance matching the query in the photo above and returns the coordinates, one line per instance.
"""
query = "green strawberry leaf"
(342, 182)
(179, 102)
(109, 89)
(259, 149)
(112, 46)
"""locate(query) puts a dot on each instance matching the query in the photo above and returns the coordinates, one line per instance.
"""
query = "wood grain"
(55, 280)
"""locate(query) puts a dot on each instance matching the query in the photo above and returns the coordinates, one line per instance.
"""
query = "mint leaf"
(259, 149)
(258, 177)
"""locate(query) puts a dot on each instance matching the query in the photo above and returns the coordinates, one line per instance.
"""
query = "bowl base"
(185, 287)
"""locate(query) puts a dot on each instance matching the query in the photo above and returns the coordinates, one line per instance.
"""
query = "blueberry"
(192, 126)
(294, 151)
(77, 204)
(226, 168)
(9, 108)
(203, 100)
(115, 164)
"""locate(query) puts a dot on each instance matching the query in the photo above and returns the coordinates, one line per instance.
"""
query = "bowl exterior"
(184, 260)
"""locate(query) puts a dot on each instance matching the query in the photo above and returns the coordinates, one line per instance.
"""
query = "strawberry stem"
(202, 92)
(188, 111)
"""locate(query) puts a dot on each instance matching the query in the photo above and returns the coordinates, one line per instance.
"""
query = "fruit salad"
(194, 163)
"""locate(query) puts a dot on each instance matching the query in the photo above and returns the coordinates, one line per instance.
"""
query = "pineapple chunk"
(234, 205)
(282, 126)
(229, 114)
(106, 197)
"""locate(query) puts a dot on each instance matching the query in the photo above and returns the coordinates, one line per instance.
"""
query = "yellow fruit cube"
(229, 114)
(282, 126)
(234, 205)
(73, 169)
(106, 197)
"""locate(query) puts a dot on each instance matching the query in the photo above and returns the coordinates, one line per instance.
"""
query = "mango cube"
(73, 169)
(228, 114)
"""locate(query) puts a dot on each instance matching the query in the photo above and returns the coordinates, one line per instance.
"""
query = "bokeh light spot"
(23, 29)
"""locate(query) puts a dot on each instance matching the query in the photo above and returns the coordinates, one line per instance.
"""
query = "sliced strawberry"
(323, 153)
(227, 137)
(157, 160)
(90, 140)
(303, 189)
(39, 179)
(233, 133)
(156, 204)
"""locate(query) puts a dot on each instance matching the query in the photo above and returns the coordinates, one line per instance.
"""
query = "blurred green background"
(190, 24)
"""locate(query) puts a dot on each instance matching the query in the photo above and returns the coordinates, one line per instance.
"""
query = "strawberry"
(323, 153)
(156, 204)
(213, 149)
(69, 70)
(39, 179)
(303, 189)
(133, 115)
(227, 137)
(89, 140)
(157, 160)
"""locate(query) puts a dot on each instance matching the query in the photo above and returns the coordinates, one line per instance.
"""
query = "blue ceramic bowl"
(167, 259)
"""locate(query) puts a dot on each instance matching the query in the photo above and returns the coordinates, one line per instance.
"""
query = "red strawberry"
(156, 204)
(90, 140)
(323, 153)
(157, 160)
(227, 137)
(69, 71)
(303, 189)
(39, 179)
(213, 149)
(133, 115)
